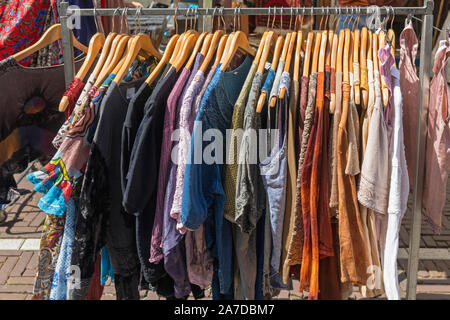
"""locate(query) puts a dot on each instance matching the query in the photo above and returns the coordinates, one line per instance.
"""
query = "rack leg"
(424, 92)
(69, 64)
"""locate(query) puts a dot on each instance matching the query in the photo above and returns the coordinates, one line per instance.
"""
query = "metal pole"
(69, 64)
(248, 11)
(424, 93)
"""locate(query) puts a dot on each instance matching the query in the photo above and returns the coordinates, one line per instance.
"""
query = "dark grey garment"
(101, 195)
(250, 196)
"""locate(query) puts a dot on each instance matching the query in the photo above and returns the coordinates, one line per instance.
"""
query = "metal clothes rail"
(424, 75)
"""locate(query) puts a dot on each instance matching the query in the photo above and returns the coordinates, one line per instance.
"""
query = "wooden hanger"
(287, 41)
(356, 86)
(340, 51)
(206, 44)
(384, 88)
(391, 37)
(352, 43)
(186, 51)
(329, 48)
(287, 63)
(273, 67)
(227, 46)
(220, 50)
(345, 62)
(202, 38)
(309, 45)
(298, 51)
(164, 60)
(51, 35)
(212, 48)
(363, 58)
(264, 50)
(239, 41)
(374, 54)
(322, 52)
(95, 45)
(315, 57)
(333, 66)
(121, 42)
(139, 42)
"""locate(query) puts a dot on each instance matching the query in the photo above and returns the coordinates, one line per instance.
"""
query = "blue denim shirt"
(203, 195)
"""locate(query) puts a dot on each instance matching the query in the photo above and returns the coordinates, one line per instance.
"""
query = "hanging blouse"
(437, 161)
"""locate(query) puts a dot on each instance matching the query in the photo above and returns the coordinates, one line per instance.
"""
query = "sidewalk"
(20, 234)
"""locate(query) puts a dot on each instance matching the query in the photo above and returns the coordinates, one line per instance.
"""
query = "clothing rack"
(424, 75)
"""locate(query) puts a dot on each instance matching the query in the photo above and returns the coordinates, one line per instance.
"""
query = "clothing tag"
(130, 92)
(267, 66)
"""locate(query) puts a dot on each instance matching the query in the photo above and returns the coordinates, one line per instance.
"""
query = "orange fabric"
(96, 289)
(309, 272)
(354, 259)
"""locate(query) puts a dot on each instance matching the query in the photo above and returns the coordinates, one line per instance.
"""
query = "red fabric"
(72, 93)
(21, 24)
(96, 290)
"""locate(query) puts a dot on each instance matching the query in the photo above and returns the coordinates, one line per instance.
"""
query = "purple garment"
(387, 61)
(172, 245)
(156, 252)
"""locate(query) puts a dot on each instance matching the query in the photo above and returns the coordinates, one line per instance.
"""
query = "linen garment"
(398, 192)
(353, 248)
(231, 166)
(367, 215)
(103, 219)
(139, 197)
(409, 86)
(173, 244)
(203, 194)
(296, 245)
(156, 253)
(274, 171)
(198, 257)
(291, 187)
(249, 197)
(58, 289)
(437, 161)
(334, 135)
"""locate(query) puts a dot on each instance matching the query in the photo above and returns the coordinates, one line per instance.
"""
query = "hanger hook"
(281, 18)
(114, 13)
(223, 20)
(290, 20)
(212, 19)
(393, 15)
(274, 15)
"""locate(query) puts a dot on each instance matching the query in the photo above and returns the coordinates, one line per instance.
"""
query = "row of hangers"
(119, 50)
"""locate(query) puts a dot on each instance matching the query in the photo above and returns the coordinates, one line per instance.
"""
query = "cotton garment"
(351, 235)
(58, 289)
(409, 86)
(58, 139)
(203, 195)
(274, 171)
(103, 220)
(198, 257)
(437, 160)
(292, 143)
(173, 244)
(277, 80)
(296, 246)
(398, 192)
(250, 197)
(156, 253)
(334, 135)
(373, 192)
(237, 123)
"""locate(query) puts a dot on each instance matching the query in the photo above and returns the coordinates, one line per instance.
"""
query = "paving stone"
(29, 273)
(19, 288)
(21, 264)
(38, 221)
(10, 253)
(7, 266)
(3, 258)
(12, 296)
(21, 280)
(427, 288)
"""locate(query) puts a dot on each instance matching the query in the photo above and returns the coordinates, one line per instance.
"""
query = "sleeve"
(199, 181)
